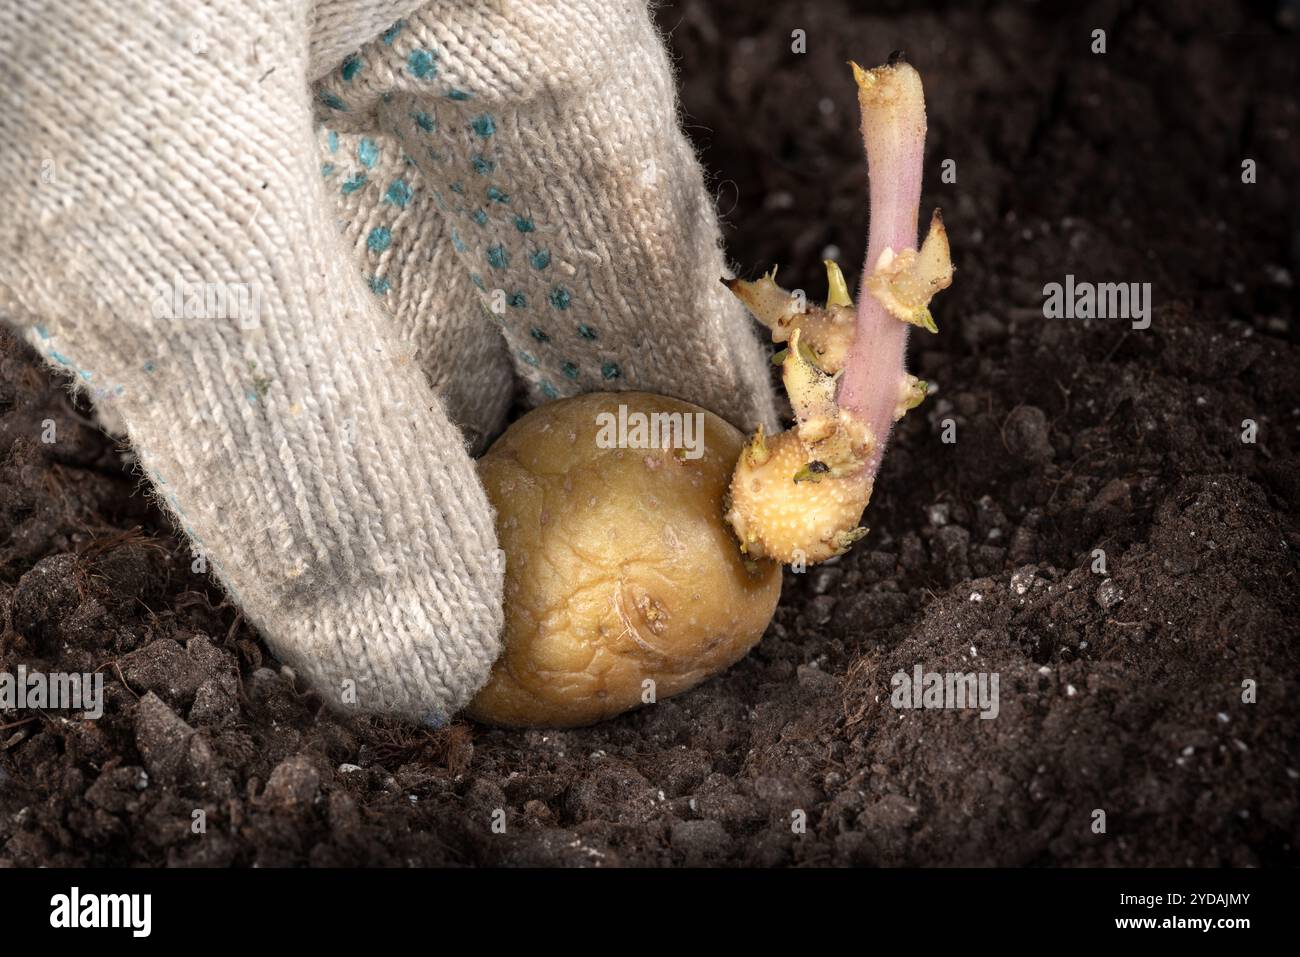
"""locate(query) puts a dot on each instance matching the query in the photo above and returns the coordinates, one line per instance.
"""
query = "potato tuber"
(623, 582)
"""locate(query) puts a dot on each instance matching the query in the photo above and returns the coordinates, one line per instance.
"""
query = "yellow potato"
(624, 585)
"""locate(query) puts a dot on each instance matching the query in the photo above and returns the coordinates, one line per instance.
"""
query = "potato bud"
(624, 584)
(783, 509)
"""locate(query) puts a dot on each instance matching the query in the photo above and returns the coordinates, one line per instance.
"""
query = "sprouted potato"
(633, 572)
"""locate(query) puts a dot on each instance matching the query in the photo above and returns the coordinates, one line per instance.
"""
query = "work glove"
(301, 254)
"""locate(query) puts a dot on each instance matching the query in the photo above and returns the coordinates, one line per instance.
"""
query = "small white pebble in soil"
(1109, 594)
(1070, 691)
(1021, 579)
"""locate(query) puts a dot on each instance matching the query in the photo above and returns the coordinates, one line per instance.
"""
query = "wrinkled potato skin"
(619, 566)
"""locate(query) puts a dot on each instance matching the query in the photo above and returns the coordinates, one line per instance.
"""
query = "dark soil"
(1120, 691)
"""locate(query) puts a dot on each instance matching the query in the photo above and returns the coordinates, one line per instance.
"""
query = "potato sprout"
(798, 496)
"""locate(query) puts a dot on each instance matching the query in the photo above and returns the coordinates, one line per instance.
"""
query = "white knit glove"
(517, 198)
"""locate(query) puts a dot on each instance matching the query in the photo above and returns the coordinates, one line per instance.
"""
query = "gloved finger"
(548, 132)
(338, 27)
(182, 255)
(403, 249)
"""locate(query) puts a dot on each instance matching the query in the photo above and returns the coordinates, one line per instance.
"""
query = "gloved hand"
(403, 209)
